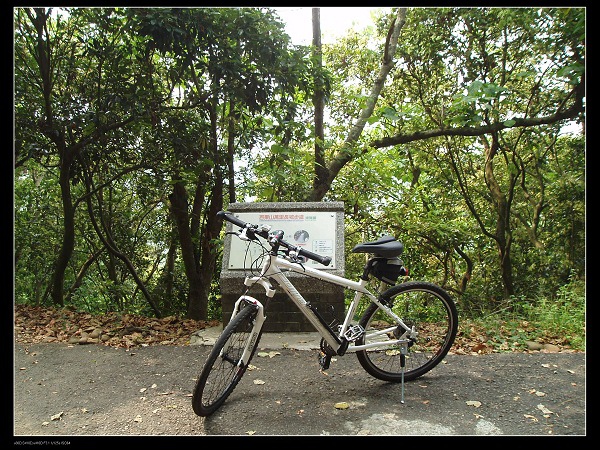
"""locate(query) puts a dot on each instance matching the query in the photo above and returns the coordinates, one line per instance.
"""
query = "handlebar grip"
(325, 260)
(229, 217)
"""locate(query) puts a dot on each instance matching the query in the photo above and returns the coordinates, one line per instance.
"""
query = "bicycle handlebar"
(234, 220)
(325, 260)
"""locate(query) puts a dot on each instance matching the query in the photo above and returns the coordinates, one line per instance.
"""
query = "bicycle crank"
(325, 355)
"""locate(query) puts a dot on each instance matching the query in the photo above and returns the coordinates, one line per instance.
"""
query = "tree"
(77, 91)
(488, 63)
(154, 118)
(229, 67)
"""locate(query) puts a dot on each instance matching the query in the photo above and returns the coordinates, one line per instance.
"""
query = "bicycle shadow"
(318, 405)
(468, 395)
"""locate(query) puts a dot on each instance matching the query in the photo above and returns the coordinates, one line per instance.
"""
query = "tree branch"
(344, 154)
(570, 113)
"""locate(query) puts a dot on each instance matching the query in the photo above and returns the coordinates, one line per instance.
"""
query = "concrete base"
(282, 314)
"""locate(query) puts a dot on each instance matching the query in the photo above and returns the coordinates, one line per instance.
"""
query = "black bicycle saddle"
(386, 246)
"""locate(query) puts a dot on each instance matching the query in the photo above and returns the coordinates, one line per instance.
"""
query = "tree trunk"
(179, 210)
(212, 231)
(112, 248)
(66, 155)
(81, 274)
(231, 126)
(68, 239)
(200, 261)
(503, 232)
(321, 173)
(466, 277)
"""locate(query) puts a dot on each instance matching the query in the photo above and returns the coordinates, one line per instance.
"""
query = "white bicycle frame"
(275, 267)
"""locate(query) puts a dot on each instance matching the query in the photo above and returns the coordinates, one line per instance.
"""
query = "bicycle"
(404, 332)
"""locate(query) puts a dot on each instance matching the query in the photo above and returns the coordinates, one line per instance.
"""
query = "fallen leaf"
(543, 409)
(474, 403)
(529, 416)
(56, 416)
(342, 405)
(143, 389)
(258, 381)
(479, 348)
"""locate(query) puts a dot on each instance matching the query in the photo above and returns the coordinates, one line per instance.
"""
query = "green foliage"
(140, 100)
(558, 319)
(220, 92)
(562, 316)
(36, 215)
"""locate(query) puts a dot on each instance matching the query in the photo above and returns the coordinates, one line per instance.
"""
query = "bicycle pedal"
(324, 360)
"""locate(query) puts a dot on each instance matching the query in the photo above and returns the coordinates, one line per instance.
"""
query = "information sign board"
(314, 231)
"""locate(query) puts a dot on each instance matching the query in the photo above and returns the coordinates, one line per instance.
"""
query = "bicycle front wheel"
(422, 305)
(222, 370)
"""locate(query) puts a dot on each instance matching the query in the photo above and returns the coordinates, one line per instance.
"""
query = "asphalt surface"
(101, 391)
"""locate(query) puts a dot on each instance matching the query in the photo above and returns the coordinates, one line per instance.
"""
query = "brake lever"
(244, 236)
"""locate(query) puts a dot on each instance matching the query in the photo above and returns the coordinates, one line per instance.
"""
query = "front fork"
(259, 319)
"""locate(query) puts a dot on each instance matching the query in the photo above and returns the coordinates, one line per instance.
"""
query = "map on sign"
(314, 231)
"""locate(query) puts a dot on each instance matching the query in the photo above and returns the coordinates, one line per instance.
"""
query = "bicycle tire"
(221, 373)
(432, 312)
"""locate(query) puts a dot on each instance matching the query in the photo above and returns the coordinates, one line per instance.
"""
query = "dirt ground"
(66, 392)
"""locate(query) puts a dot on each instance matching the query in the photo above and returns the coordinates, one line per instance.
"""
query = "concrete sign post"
(316, 226)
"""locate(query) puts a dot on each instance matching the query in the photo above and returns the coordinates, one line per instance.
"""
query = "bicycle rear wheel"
(222, 370)
(422, 305)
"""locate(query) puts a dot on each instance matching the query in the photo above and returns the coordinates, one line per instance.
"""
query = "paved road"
(146, 391)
